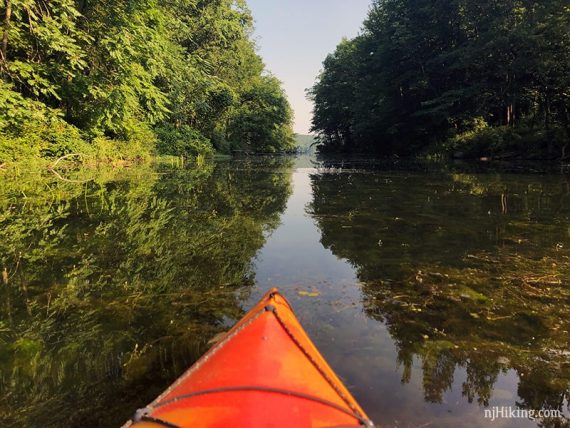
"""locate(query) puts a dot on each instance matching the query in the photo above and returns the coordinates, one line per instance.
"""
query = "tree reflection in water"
(113, 287)
(467, 272)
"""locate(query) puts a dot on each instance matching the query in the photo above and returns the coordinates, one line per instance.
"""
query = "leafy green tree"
(333, 115)
(128, 74)
(425, 71)
(261, 121)
(127, 56)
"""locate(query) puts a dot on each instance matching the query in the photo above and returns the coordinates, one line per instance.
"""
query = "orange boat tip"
(265, 371)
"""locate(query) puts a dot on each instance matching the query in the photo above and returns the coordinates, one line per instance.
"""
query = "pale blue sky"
(295, 36)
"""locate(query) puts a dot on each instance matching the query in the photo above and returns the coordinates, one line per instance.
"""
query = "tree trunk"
(566, 118)
(510, 115)
(82, 6)
(7, 18)
(547, 111)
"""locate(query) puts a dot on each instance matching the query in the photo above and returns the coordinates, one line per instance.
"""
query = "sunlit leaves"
(262, 120)
(124, 71)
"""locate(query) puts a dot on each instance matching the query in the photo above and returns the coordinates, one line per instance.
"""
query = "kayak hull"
(265, 372)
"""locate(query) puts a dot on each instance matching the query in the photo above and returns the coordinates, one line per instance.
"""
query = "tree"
(333, 116)
(123, 74)
(425, 71)
(261, 121)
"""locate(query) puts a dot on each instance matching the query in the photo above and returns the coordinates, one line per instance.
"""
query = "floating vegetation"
(483, 284)
(304, 293)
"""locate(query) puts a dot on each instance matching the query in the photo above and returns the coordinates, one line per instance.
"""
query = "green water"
(439, 292)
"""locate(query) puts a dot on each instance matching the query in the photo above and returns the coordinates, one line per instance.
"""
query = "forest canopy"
(472, 76)
(111, 78)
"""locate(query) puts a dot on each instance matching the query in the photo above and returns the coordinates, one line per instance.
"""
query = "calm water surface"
(435, 292)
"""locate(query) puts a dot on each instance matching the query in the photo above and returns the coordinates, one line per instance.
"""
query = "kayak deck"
(264, 372)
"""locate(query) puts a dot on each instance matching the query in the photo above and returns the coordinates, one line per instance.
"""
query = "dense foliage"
(469, 72)
(109, 77)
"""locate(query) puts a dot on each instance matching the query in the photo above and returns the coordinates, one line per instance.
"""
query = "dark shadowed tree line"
(120, 79)
(482, 76)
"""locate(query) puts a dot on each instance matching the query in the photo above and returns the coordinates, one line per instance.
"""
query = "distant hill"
(304, 143)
